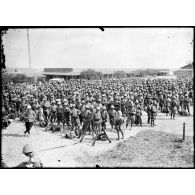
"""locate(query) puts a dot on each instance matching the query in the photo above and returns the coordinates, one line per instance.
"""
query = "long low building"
(66, 73)
(70, 73)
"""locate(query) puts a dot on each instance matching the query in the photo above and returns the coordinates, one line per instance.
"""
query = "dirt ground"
(56, 151)
(148, 149)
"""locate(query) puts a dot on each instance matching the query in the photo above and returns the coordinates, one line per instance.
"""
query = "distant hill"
(189, 66)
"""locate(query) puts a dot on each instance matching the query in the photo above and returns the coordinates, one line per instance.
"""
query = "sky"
(92, 48)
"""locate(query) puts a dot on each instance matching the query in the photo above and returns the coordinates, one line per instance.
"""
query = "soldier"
(29, 119)
(123, 102)
(130, 116)
(167, 104)
(149, 110)
(59, 111)
(112, 116)
(41, 118)
(74, 113)
(33, 162)
(53, 112)
(66, 118)
(153, 114)
(86, 122)
(181, 100)
(118, 123)
(138, 116)
(97, 120)
(186, 103)
(174, 106)
(104, 115)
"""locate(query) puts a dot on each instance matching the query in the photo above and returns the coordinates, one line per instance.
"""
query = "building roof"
(189, 66)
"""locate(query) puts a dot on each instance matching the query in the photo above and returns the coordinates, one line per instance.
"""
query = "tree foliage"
(119, 74)
(91, 74)
(19, 78)
(15, 78)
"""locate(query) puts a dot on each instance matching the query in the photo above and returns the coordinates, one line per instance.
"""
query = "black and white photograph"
(97, 97)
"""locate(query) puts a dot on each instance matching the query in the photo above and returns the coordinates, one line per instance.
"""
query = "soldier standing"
(29, 119)
(130, 116)
(174, 106)
(86, 122)
(97, 120)
(153, 114)
(186, 104)
(104, 115)
(74, 112)
(118, 123)
(112, 116)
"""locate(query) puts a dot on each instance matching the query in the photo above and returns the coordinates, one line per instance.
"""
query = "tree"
(6, 77)
(19, 78)
(91, 74)
(119, 74)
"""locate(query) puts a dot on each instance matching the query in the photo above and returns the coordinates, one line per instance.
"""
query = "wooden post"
(184, 131)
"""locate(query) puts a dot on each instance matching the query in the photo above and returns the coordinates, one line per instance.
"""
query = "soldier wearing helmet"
(87, 126)
(34, 161)
(104, 115)
(74, 113)
(112, 116)
(96, 120)
(29, 120)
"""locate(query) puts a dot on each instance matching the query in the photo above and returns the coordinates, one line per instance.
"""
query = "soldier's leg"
(151, 122)
(121, 132)
(127, 121)
(148, 118)
(140, 121)
(188, 108)
(85, 130)
(174, 115)
(117, 130)
(132, 122)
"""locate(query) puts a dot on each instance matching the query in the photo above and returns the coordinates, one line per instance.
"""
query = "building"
(66, 73)
(184, 71)
(74, 73)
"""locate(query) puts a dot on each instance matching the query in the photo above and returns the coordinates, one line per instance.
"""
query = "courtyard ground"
(56, 151)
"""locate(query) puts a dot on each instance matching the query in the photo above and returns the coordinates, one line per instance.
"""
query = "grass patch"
(147, 149)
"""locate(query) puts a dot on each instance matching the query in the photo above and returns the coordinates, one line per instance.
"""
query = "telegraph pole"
(29, 54)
